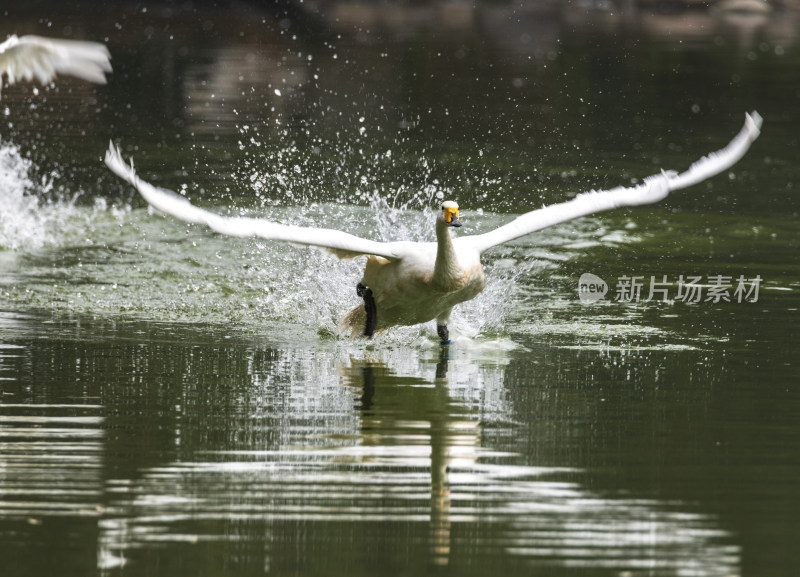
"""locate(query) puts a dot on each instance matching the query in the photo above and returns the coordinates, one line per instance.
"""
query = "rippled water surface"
(173, 402)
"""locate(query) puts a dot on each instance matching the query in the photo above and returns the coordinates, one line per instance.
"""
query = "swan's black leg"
(369, 308)
(444, 334)
(441, 366)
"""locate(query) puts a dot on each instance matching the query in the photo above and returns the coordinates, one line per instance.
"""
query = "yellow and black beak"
(451, 216)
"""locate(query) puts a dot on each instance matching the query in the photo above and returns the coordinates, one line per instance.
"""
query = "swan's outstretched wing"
(340, 243)
(31, 57)
(653, 189)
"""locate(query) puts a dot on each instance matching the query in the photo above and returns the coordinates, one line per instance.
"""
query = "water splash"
(106, 260)
(23, 223)
(110, 261)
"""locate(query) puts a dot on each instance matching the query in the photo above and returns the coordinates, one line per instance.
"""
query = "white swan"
(28, 57)
(407, 283)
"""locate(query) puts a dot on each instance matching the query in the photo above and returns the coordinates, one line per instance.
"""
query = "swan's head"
(450, 213)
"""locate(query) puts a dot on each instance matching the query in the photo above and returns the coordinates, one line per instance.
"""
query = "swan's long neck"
(447, 270)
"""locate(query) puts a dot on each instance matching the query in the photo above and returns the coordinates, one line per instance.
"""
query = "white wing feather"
(345, 245)
(653, 189)
(32, 57)
(340, 243)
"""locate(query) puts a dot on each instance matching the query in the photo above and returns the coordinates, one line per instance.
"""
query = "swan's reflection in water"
(451, 437)
(405, 469)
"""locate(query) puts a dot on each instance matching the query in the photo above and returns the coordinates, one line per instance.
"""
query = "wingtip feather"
(116, 163)
(753, 122)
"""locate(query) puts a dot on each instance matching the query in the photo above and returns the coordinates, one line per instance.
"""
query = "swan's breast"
(406, 293)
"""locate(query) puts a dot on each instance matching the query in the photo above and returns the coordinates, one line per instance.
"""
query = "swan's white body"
(414, 282)
(29, 57)
(424, 282)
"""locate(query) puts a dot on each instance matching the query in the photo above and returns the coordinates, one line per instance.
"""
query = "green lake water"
(174, 402)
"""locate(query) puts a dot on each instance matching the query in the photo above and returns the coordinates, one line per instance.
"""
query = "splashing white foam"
(23, 223)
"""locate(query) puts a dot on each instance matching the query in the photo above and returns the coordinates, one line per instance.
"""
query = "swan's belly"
(427, 307)
(407, 296)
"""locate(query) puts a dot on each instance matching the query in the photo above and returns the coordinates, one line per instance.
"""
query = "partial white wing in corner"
(29, 57)
(653, 189)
